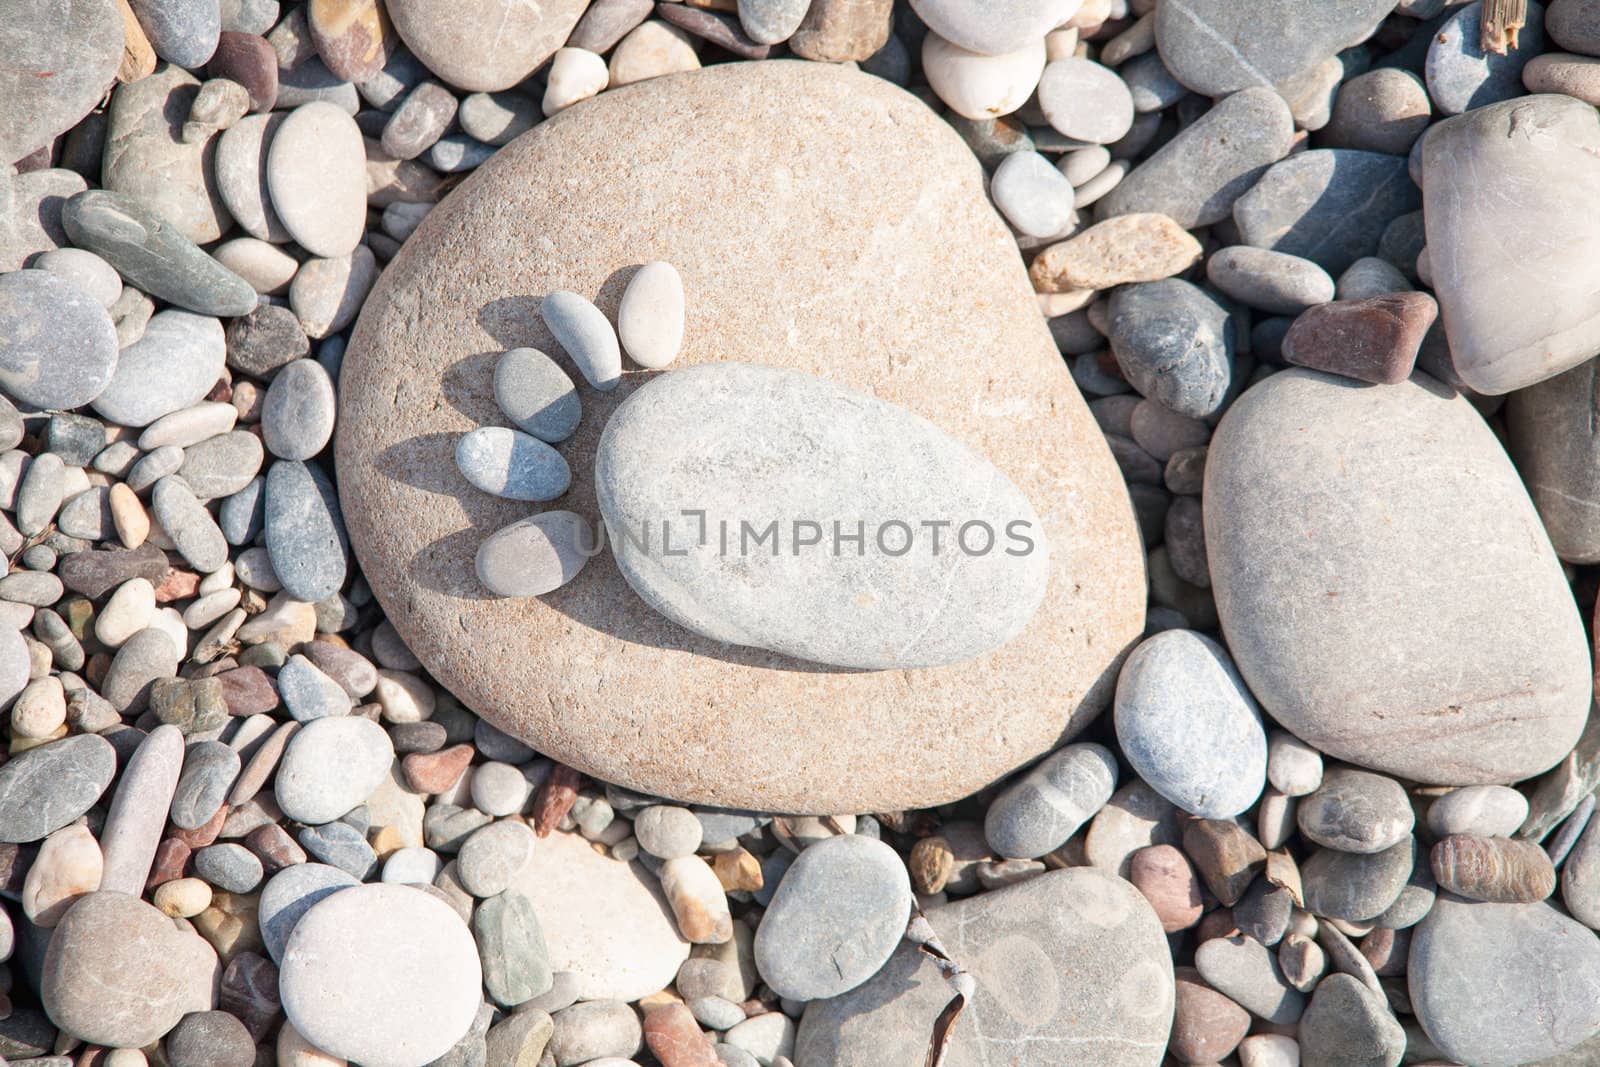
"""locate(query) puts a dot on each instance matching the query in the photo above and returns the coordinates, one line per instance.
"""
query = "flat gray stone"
(1501, 181)
(1189, 726)
(1039, 811)
(1502, 984)
(317, 174)
(667, 831)
(536, 555)
(1348, 1025)
(1373, 634)
(516, 962)
(608, 21)
(154, 255)
(330, 766)
(1196, 177)
(484, 45)
(143, 658)
(1085, 101)
(1356, 886)
(1033, 195)
(139, 808)
(298, 413)
(147, 158)
(1555, 441)
(1328, 205)
(209, 771)
(1244, 970)
(511, 464)
(189, 524)
(1271, 281)
(1073, 959)
(1490, 810)
(45, 788)
(740, 441)
(58, 347)
(1574, 25)
(585, 334)
(1215, 47)
(182, 32)
(223, 465)
(172, 367)
(536, 395)
(1462, 76)
(838, 914)
(497, 118)
(289, 894)
(230, 867)
(1174, 343)
(491, 857)
(305, 534)
(61, 55)
(240, 164)
(1356, 811)
(308, 693)
(990, 29)
(384, 974)
(30, 213)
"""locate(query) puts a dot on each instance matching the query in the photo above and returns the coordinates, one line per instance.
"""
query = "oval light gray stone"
(1499, 185)
(317, 174)
(585, 334)
(1217, 46)
(289, 894)
(1189, 725)
(536, 555)
(512, 464)
(744, 443)
(1378, 633)
(45, 788)
(1496, 985)
(330, 766)
(650, 316)
(484, 46)
(241, 166)
(298, 413)
(189, 524)
(1039, 811)
(173, 366)
(992, 28)
(536, 395)
(58, 347)
(837, 916)
(304, 531)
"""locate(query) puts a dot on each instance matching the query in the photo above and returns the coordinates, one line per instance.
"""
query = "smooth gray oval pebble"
(1039, 811)
(298, 413)
(305, 533)
(58, 347)
(172, 367)
(189, 524)
(511, 464)
(585, 334)
(536, 395)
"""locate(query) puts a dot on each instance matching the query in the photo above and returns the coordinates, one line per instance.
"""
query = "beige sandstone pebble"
(1127, 248)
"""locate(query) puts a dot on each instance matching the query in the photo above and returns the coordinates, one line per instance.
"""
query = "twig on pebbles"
(1500, 23)
(920, 933)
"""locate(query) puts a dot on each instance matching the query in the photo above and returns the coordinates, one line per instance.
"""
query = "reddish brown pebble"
(1497, 869)
(353, 37)
(248, 691)
(250, 61)
(1218, 922)
(1387, 950)
(202, 835)
(172, 856)
(274, 847)
(555, 799)
(676, 1039)
(1372, 340)
(931, 862)
(177, 585)
(1226, 856)
(14, 863)
(435, 772)
(249, 990)
(1168, 881)
(1206, 1026)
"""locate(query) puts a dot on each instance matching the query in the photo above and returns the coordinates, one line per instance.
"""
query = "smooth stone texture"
(153, 255)
(241, 167)
(1348, 1025)
(1189, 726)
(85, 269)
(30, 213)
(289, 894)
(1383, 110)
(738, 440)
(422, 570)
(1357, 886)
(1491, 810)
(297, 415)
(1271, 281)
(1039, 811)
(1500, 175)
(536, 555)
(330, 766)
(1033, 195)
(172, 367)
(58, 347)
(67, 866)
(1328, 205)
(536, 394)
(586, 336)
(47, 787)
(146, 157)
(842, 31)
(1244, 970)
(188, 523)
(209, 770)
(1503, 984)
(649, 317)
(317, 173)
(492, 857)
(1375, 339)
(61, 57)
(139, 808)
(1070, 960)
(1085, 101)
(182, 32)
(308, 693)
(305, 535)
(326, 294)
(1215, 47)
(991, 28)
(145, 657)
(1356, 811)
(223, 465)
(516, 963)
(980, 87)
(1196, 177)
(1580, 877)
(484, 45)
(1411, 669)
(1462, 76)
(838, 914)
(1174, 343)
(764, 21)
(1574, 25)
(513, 465)
(118, 972)
(384, 974)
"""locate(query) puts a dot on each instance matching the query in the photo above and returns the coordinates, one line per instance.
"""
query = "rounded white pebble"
(650, 317)
(1033, 195)
(575, 74)
(981, 87)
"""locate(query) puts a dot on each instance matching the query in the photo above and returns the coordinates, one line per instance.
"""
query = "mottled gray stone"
(1174, 343)
(585, 334)
(1189, 726)
(1242, 969)
(298, 413)
(1272, 281)
(45, 788)
(182, 32)
(838, 914)
(209, 770)
(1356, 811)
(289, 894)
(61, 56)
(516, 962)
(1375, 635)
(1496, 985)
(536, 395)
(330, 766)
(305, 534)
(308, 693)
(223, 465)
(265, 340)
(735, 420)
(230, 867)
(144, 657)
(30, 213)
(172, 367)
(511, 464)
(1501, 181)
(766, 21)
(1070, 959)
(483, 45)
(189, 524)
(147, 158)
(1357, 886)
(1039, 811)
(1348, 1025)
(153, 254)
(242, 515)
(492, 856)
(1462, 76)
(1215, 47)
(1328, 205)
(211, 1039)
(1196, 177)
(58, 347)
(139, 809)
(240, 163)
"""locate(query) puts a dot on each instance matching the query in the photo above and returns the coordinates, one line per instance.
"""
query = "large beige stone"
(822, 220)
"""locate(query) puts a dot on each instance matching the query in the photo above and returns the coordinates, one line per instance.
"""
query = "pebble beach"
(799, 533)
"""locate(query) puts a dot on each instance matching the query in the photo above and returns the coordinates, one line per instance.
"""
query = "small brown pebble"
(1206, 1025)
(931, 862)
(1387, 950)
(435, 772)
(676, 1039)
(1218, 922)
(1168, 881)
(202, 835)
(177, 584)
(231, 924)
(248, 691)
(249, 990)
(1127, 248)
(418, 737)
(737, 869)
(1371, 340)
(842, 31)
(172, 856)
(1497, 869)
(138, 55)
(250, 61)
(555, 799)
(720, 30)
(1302, 960)
(353, 37)
(275, 848)
(1226, 856)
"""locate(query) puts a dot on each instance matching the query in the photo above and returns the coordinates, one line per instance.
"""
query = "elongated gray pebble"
(305, 533)
(585, 334)
(511, 464)
(189, 524)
